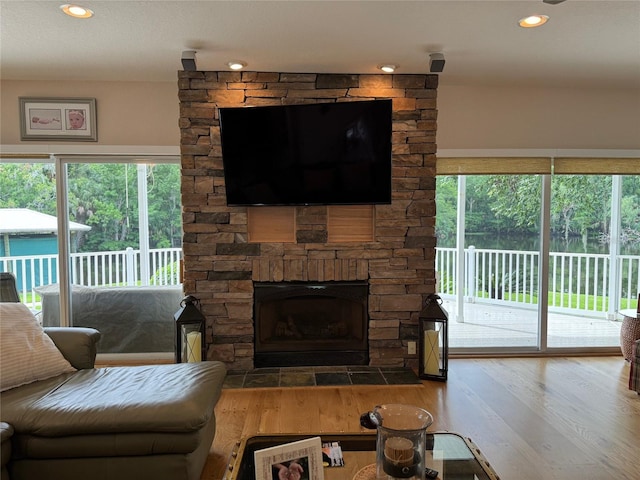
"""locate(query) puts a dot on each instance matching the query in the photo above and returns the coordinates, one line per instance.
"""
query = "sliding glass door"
(125, 272)
(102, 248)
(29, 225)
(593, 264)
(489, 275)
(537, 262)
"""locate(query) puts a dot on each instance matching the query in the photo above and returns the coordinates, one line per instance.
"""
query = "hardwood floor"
(569, 418)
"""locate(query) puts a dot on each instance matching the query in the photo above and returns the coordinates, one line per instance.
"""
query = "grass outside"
(595, 303)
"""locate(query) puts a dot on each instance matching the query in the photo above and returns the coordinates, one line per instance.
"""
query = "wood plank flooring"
(568, 418)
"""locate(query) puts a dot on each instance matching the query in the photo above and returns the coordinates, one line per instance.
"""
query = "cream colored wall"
(129, 113)
(137, 113)
(549, 118)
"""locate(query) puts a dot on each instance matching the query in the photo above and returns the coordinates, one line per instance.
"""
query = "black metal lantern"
(190, 329)
(433, 340)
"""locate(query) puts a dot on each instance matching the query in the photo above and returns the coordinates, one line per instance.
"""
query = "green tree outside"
(103, 196)
(510, 205)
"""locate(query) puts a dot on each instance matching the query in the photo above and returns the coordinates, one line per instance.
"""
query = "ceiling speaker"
(189, 61)
(436, 62)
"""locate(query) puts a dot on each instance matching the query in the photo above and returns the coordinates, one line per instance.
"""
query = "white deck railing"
(92, 269)
(578, 283)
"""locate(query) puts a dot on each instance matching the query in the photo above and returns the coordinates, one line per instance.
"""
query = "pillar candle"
(431, 352)
(194, 347)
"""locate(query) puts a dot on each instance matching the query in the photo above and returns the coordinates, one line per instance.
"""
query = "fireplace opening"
(309, 323)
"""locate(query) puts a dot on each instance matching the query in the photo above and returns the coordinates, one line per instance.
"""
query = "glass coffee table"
(451, 454)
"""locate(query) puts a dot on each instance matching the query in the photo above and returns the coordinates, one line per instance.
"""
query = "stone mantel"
(220, 265)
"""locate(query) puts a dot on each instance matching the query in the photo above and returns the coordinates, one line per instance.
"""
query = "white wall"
(545, 118)
(129, 113)
(137, 113)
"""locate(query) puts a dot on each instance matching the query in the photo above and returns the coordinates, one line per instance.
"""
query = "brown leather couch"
(115, 423)
(6, 432)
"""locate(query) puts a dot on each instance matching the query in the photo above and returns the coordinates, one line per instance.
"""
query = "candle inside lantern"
(194, 350)
(399, 451)
(431, 352)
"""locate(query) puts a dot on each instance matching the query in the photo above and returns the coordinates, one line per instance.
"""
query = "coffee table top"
(451, 454)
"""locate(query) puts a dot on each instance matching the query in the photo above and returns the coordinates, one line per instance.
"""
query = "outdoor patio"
(491, 325)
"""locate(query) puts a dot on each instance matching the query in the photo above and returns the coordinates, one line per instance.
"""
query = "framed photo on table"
(69, 119)
(301, 460)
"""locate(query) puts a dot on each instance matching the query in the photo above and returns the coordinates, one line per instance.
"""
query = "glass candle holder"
(401, 441)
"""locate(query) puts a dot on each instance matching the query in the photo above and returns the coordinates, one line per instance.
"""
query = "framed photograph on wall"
(69, 119)
(301, 460)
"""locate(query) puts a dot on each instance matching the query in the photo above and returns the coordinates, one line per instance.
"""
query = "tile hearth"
(320, 376)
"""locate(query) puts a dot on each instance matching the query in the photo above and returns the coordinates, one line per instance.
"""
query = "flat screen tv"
(311, 154)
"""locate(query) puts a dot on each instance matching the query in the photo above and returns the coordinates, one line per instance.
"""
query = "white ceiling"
(585, 43)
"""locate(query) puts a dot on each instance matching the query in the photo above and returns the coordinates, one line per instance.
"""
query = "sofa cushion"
(175, 398)
(107, 445)
(27, 353)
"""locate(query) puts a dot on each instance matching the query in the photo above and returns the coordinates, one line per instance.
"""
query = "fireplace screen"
(310, 324)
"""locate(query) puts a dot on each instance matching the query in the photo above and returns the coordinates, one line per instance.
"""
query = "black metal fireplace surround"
(307, 323)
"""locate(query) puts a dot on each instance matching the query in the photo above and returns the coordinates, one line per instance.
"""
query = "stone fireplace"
(310, 323)
(225, 268)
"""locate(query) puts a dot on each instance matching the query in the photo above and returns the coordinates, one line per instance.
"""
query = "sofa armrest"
(6, 432)
(77, 344)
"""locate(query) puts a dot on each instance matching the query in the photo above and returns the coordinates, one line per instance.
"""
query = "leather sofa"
(121, 423)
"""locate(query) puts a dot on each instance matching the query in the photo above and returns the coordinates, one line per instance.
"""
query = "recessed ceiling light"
(76, 11)
(533, 21)
(388, 68)
(236, 65)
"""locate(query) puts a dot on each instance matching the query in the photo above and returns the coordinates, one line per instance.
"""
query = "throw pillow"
(27, 354)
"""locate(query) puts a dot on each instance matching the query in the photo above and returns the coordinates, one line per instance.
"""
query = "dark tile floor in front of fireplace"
(320, 376)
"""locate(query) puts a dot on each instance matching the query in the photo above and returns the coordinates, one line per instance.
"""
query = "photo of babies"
(297, 460)
(66, 119)
(297, 469)
(75, 119)
(45, 119)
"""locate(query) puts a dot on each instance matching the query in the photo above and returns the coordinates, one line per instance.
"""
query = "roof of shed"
(23, 220)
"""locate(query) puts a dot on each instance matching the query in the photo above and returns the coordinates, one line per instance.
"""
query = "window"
(578, 229)
(116, 266)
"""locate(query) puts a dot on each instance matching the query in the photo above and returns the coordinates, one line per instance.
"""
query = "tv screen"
(312, 154)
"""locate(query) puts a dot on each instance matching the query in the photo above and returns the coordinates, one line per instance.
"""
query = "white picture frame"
(305, 455)
(68, 119)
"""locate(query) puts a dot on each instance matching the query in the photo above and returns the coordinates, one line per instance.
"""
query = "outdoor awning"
(23, 220)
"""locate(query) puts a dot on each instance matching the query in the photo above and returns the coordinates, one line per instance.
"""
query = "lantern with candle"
(433, 340)
(190, 329)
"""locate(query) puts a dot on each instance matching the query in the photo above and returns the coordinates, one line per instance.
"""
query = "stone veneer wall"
(220, 265)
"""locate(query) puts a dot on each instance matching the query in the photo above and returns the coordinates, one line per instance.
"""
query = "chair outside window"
(8, 290)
